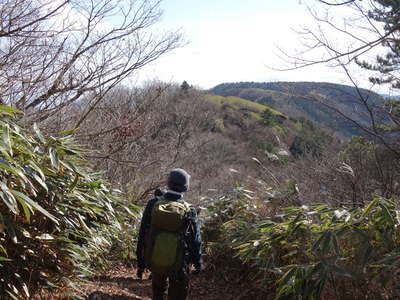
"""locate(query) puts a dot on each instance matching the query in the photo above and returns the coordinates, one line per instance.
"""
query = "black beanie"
(178, 180)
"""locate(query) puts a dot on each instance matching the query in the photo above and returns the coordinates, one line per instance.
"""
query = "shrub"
(313, 252)
(268, 118)
(56, 216)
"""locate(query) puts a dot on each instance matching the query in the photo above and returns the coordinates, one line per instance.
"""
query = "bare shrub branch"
(54, 55)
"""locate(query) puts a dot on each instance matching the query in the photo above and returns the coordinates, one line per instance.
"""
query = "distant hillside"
(266, 129)
(252, 108)
(312, 100)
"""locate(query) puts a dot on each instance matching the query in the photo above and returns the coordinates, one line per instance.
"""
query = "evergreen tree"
(185, 86)
(388, 13)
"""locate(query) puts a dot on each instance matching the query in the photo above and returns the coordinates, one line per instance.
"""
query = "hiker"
(169, 240)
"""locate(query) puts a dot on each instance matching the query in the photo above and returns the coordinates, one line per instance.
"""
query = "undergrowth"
(58, 219)
(308, 252)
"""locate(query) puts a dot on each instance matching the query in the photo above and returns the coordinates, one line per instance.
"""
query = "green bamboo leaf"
(40, 181)
(4, 250)
(25, 288)
(320, 207)
(287, 276)
(83, 224)
(14, 296)
(26, 233)
(241, 246)
(9, 110)
(6, 139)
(35, 205)
(26, 208)
(317, 244)
(9, 201)
(129, 211)
(70, 166)
(37, 169)
(22, 283)
(297, 218)
(267, 224)
(5, 154)
(45, 237)
(68, 132)
(95, 184)
(75, 183)
(48, 172)
(15, 171)
(369, 207)
(317, 268)
(291, 253)
(298, 226)
(17, 131)
(386, 212)
(2, 258)
(54, 158)
(38, 133)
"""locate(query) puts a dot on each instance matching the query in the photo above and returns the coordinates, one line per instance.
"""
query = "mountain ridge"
(339, 108)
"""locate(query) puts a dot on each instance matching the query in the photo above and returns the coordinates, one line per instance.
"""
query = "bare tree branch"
(52, 56)
(337, 3)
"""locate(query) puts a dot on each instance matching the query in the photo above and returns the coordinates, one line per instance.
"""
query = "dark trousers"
(177, 286)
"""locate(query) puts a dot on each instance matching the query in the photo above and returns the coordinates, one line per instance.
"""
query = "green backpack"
(164, 248)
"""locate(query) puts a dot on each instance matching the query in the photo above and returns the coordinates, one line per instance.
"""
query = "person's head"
(178, 180)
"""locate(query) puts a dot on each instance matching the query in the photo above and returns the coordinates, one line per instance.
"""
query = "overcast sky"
(234, 40)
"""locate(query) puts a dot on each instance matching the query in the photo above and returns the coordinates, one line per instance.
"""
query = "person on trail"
(169, 240)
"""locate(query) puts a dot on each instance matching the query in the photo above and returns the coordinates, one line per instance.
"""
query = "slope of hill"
(252, 108)
(258, 121)
(332, 106)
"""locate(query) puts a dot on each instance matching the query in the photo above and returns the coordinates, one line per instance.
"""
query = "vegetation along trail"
(296, 185)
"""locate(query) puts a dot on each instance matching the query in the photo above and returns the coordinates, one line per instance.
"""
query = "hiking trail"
(120, 283)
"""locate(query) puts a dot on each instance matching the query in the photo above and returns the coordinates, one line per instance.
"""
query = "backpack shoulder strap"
(186, 205)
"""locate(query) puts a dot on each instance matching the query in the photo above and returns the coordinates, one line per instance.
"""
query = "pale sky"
(234, 40)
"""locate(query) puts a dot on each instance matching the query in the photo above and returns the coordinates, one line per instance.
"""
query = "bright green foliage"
(56, 218)
(314, 252)
(255, 109)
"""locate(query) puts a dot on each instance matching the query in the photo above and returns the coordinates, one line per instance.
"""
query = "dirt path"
(120, 283)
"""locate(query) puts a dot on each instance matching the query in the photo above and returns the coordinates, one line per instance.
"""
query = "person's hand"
(197, 269)
(139, 273)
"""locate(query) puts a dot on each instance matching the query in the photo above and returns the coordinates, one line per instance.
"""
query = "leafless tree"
(55, 53)
(337, 37)
(349, 35)
(138, 135)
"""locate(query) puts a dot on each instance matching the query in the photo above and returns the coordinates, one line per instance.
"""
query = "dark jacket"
(192, 236)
